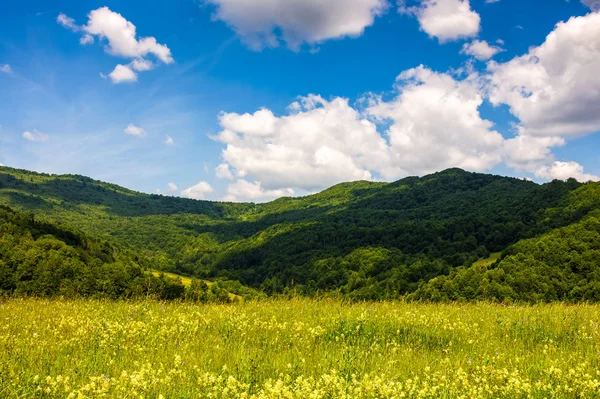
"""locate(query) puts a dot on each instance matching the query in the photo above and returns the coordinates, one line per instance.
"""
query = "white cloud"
(322, 143)
(243, 190)
(431, 124)
(67, 22)
(258, 22)
(198, 191)
(564, 171)
(435, 124)
(594, 5)
(86, 39)
(169, 141)
(141, 64)
(222, 172)
(491, 1)
(445, 19)
(173, 187)
(122, 74)
(5, 68)
(121, 36)
(480, 49)
(553, 89)
(122, 41)
(133, 130)
(34, 135)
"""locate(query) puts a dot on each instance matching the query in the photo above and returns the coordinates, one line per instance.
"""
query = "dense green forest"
(419, 238)
(44, 260)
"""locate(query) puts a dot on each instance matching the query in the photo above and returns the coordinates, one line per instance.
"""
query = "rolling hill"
(363, 240)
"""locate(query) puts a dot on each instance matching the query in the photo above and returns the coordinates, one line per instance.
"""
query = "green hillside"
(362, 240)
(42, 259)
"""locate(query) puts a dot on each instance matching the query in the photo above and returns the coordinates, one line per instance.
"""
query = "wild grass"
(297, 349)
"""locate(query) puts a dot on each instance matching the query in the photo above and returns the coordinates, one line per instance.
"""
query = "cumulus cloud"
(553, 89)
(169, 141)
(173, 187)
(480, 49)
(199, 191)
(122, 74)
(432, 123)
(5, 68)
(259, 22)
(320, 144)
(243, 190)
(564, 171)
(446, 20)
(36, 136)
(435, 124)
(133, 130)
(222, 172)
(122, 41)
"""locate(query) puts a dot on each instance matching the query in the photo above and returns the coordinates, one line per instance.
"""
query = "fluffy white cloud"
(34, 135)
(564, 171)
(5, 68)
(258, 22)
(553, 89)
(169, 141)
(435, 124)
(243, 190)
(122, 74)
(173, 187)
(133, 130)
(445, 19)
(480, 49)
(593, 4)
(222, 172)
(321, 143)
(432, 123)
(121, 36)
(199, 191)
(122, 41)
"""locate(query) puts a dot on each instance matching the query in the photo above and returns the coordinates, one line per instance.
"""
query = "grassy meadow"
(297, 348)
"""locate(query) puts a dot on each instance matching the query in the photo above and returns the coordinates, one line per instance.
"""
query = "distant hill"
(362, 240)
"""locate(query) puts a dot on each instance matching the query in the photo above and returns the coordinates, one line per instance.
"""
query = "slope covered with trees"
(363, 240)
(42, 259)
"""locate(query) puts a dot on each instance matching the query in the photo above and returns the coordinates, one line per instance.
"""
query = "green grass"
(297, 349)
(494, 256)
(187, 281)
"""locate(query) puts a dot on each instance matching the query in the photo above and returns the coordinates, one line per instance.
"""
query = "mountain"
(42, 259)
(363, 240)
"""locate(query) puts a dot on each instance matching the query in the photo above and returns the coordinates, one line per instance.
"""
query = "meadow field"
(297, 349)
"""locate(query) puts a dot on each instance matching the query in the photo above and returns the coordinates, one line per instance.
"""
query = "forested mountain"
(41, 259)
(418, 236)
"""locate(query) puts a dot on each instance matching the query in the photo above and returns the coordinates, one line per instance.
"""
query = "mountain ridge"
(368, 240)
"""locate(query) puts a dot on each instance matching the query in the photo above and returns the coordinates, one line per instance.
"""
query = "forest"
(420, 238)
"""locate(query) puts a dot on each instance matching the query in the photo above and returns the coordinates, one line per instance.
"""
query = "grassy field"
(297, 349)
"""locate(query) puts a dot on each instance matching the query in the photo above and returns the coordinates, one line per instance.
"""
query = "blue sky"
(286, 97)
